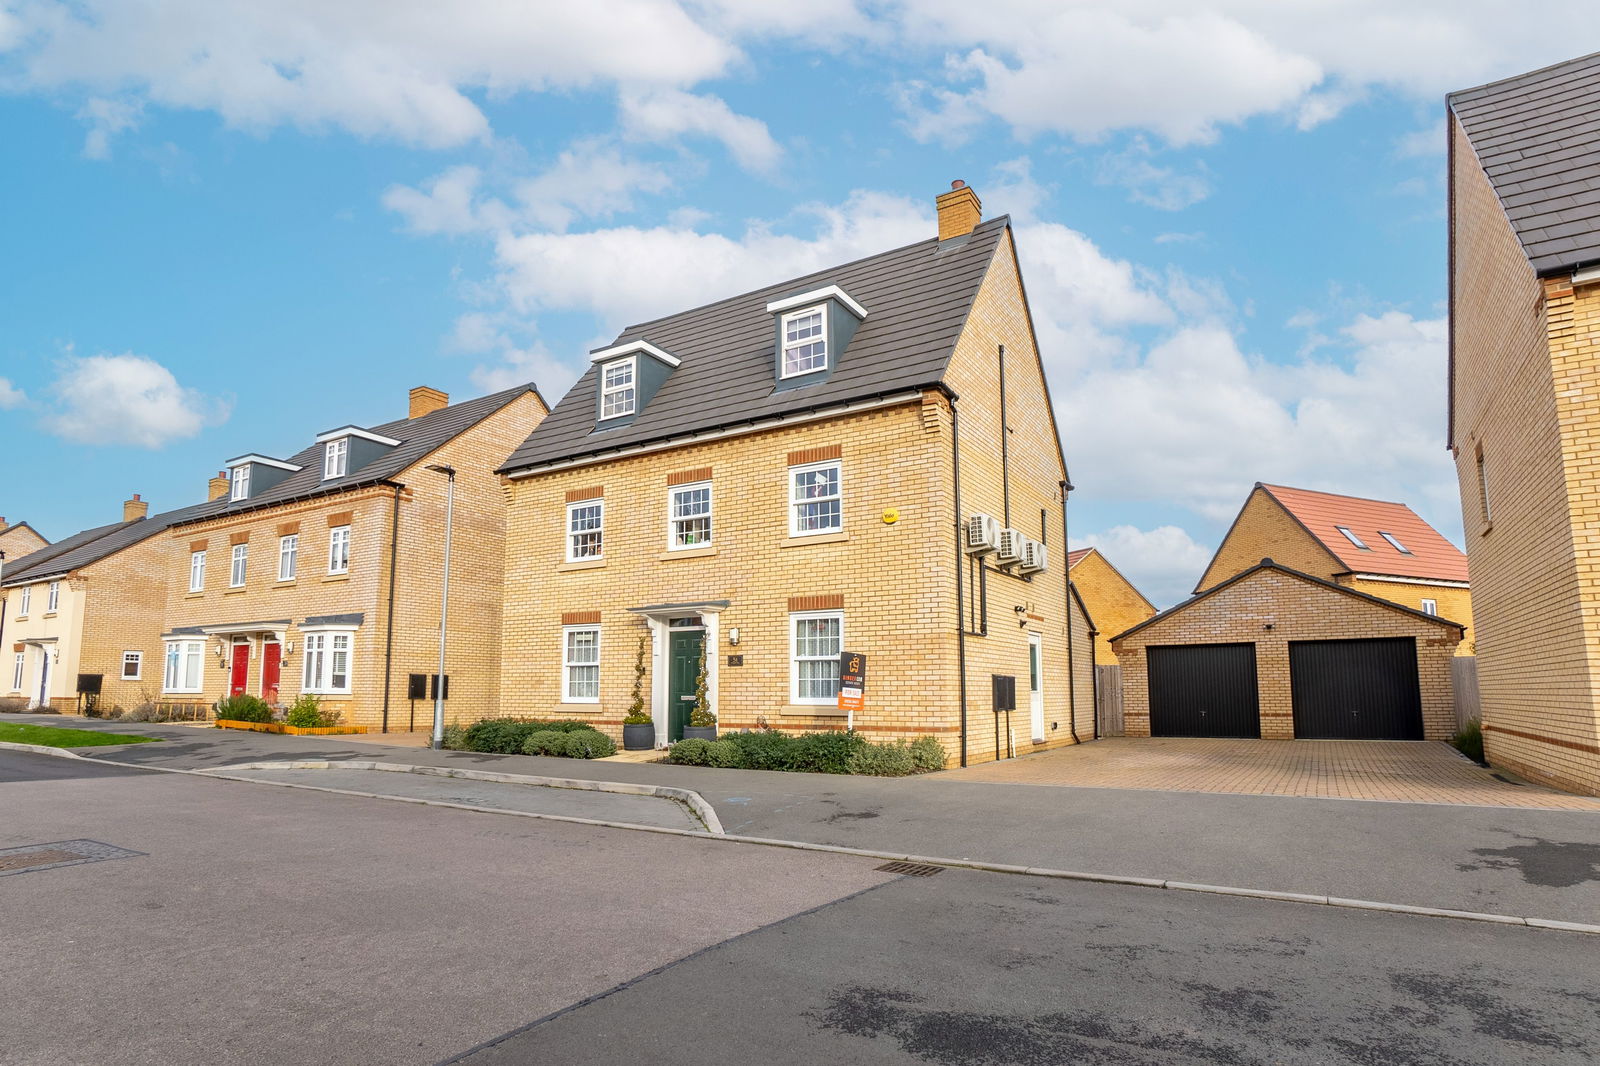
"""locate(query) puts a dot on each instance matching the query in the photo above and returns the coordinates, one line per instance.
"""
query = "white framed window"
(241, 482)
(1394, 542)
(816, 640)
(132, 665)
(52, 597)
(1430, 607)
(327, 662)
(805, 342)
(237, 565)
(619, 393)
(816, 502)
(1352, 538)
(1483, 487)
(25, 600)
(17, 671)
(197, 571)
(339, 550)
(689, 516)
(586, 530)
(335, 458)
(184, 662)
(580, 664)
(288, 556)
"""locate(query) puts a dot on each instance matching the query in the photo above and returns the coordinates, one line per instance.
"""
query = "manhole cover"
(31, 857)
(910, 869)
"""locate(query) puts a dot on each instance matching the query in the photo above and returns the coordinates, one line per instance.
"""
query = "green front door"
(684, 653)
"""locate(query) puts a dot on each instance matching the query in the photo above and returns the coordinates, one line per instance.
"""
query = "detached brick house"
(1383, 549)
(1525, 409)
(320, 573)
(862, 459)
(1111, 599)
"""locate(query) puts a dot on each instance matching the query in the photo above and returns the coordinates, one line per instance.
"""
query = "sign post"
(852, 685)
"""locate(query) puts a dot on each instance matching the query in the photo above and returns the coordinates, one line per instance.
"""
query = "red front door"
(271, 658)
(241, 669)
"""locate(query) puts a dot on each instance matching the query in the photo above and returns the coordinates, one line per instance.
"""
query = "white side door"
(1036, 683)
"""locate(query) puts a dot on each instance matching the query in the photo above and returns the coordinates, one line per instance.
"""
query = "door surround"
(659, 618)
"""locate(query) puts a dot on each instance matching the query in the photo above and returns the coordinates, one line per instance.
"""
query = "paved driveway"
(1391, 770)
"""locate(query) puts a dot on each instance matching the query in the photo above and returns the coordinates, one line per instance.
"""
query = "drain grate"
(910, 869)
(31, 857)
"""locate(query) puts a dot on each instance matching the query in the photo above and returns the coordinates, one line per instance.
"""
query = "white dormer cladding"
(252, 474)
(349, 448)
(813, 329)
(626, 376)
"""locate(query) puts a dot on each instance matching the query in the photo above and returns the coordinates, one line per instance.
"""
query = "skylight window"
(1394, 542)
(1352, 538)
(805, 341)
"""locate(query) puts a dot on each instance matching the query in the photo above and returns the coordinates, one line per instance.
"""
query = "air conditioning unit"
(1035, 557)
(1009, 549)
(983, 534)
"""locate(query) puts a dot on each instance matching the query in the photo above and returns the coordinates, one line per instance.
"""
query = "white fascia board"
(356, 431)
(1398, 580)
(633, 348)
(1586, 275)
(815, 296)
(264, 461)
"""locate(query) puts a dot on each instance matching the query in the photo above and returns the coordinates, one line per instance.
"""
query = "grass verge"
(50, 737)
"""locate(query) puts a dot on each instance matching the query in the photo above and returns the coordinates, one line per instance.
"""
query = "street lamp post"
(444, 601)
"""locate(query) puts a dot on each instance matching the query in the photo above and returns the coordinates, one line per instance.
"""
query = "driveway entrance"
(1397, 771)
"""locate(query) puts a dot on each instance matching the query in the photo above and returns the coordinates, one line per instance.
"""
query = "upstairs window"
(197, 571)
(1394, 542)
(618, 388)
(1430, 607)
(25, 601)
(805, 342)
(52, 599)
(288, 556)
(336, 458)
(1483, 487)
(586, 530)
(690, 516)
(241, 555)
(339, 550)
(240, 482)
(1352, 538)
(815, 499)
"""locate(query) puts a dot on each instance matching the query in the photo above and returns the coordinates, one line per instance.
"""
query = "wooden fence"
(1108, 700)
(1464, 680)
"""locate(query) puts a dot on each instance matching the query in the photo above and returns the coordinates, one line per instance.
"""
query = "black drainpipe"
(1005, 445)
(388, 627)
(961, 621)
(1072, 678)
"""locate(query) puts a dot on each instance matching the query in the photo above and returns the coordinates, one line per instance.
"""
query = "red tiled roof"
(1428, 556)
(1075, 556)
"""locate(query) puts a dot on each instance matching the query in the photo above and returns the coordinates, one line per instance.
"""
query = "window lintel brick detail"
(241, 537)
(198, 545)
(687, 477)
(579, 495)
(580, 618)
(831, 602)
(819, 454)
(340, 518)
(288, 529)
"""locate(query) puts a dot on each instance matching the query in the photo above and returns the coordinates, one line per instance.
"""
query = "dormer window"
(805, 341)
(618, 391)
(240, 482)
(336, 458)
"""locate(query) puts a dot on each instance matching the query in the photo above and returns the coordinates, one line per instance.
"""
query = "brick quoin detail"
(687, 477)
(835, 602)
(580, 618)
(819, 454)
(579, 495)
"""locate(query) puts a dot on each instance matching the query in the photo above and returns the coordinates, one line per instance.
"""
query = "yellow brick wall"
(1524, 390)
(125, 599)
(1264, 530)
(1454, 603)
(1113, 602)
(1297, 610)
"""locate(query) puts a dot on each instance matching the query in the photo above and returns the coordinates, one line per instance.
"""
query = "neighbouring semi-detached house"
(861, 459)
(85, 613)
(321, 573)
(1382, 549)
(1111, 599)
(1525, 409)
(17, 540)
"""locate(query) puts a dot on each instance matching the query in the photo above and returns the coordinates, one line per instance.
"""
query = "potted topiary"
(702, 723)
(638, 728)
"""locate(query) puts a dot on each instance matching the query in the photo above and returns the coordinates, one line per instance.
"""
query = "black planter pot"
(692, 732)
(638, 737)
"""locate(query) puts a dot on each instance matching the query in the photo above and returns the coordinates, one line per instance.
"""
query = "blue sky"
(228, 226)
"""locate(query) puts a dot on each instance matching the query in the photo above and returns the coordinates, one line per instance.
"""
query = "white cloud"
(11, 396)
(670, 114)
(1149, 183)
(1164, 563)
(106, 118)
(127, 399)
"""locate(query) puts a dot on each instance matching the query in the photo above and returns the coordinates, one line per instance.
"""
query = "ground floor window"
(816, 641)
(132, 665)
(183, 666)
(580, 664)
(327, 659)
(16, 672)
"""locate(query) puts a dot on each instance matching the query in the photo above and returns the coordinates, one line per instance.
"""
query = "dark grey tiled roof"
(917, 298)
(1538, 138)
(92, 545)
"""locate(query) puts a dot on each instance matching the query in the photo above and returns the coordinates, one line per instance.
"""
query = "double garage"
(1277, 654)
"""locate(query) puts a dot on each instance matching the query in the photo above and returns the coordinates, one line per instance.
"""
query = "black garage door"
(1355, 689)
(1204, 690)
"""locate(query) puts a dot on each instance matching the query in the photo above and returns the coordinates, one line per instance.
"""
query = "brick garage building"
(1278, 654)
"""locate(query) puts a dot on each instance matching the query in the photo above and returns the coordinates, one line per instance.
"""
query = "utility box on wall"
(1005, 691)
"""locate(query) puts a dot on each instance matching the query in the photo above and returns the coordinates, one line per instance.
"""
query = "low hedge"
(506, 736)
(818, 753)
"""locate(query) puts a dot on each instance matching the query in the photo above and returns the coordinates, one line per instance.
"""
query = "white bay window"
(327, 662)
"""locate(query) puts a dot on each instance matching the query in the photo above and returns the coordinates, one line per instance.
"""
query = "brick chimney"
(135, 508)
(425, 401)
(218, 486)
(960, 210)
